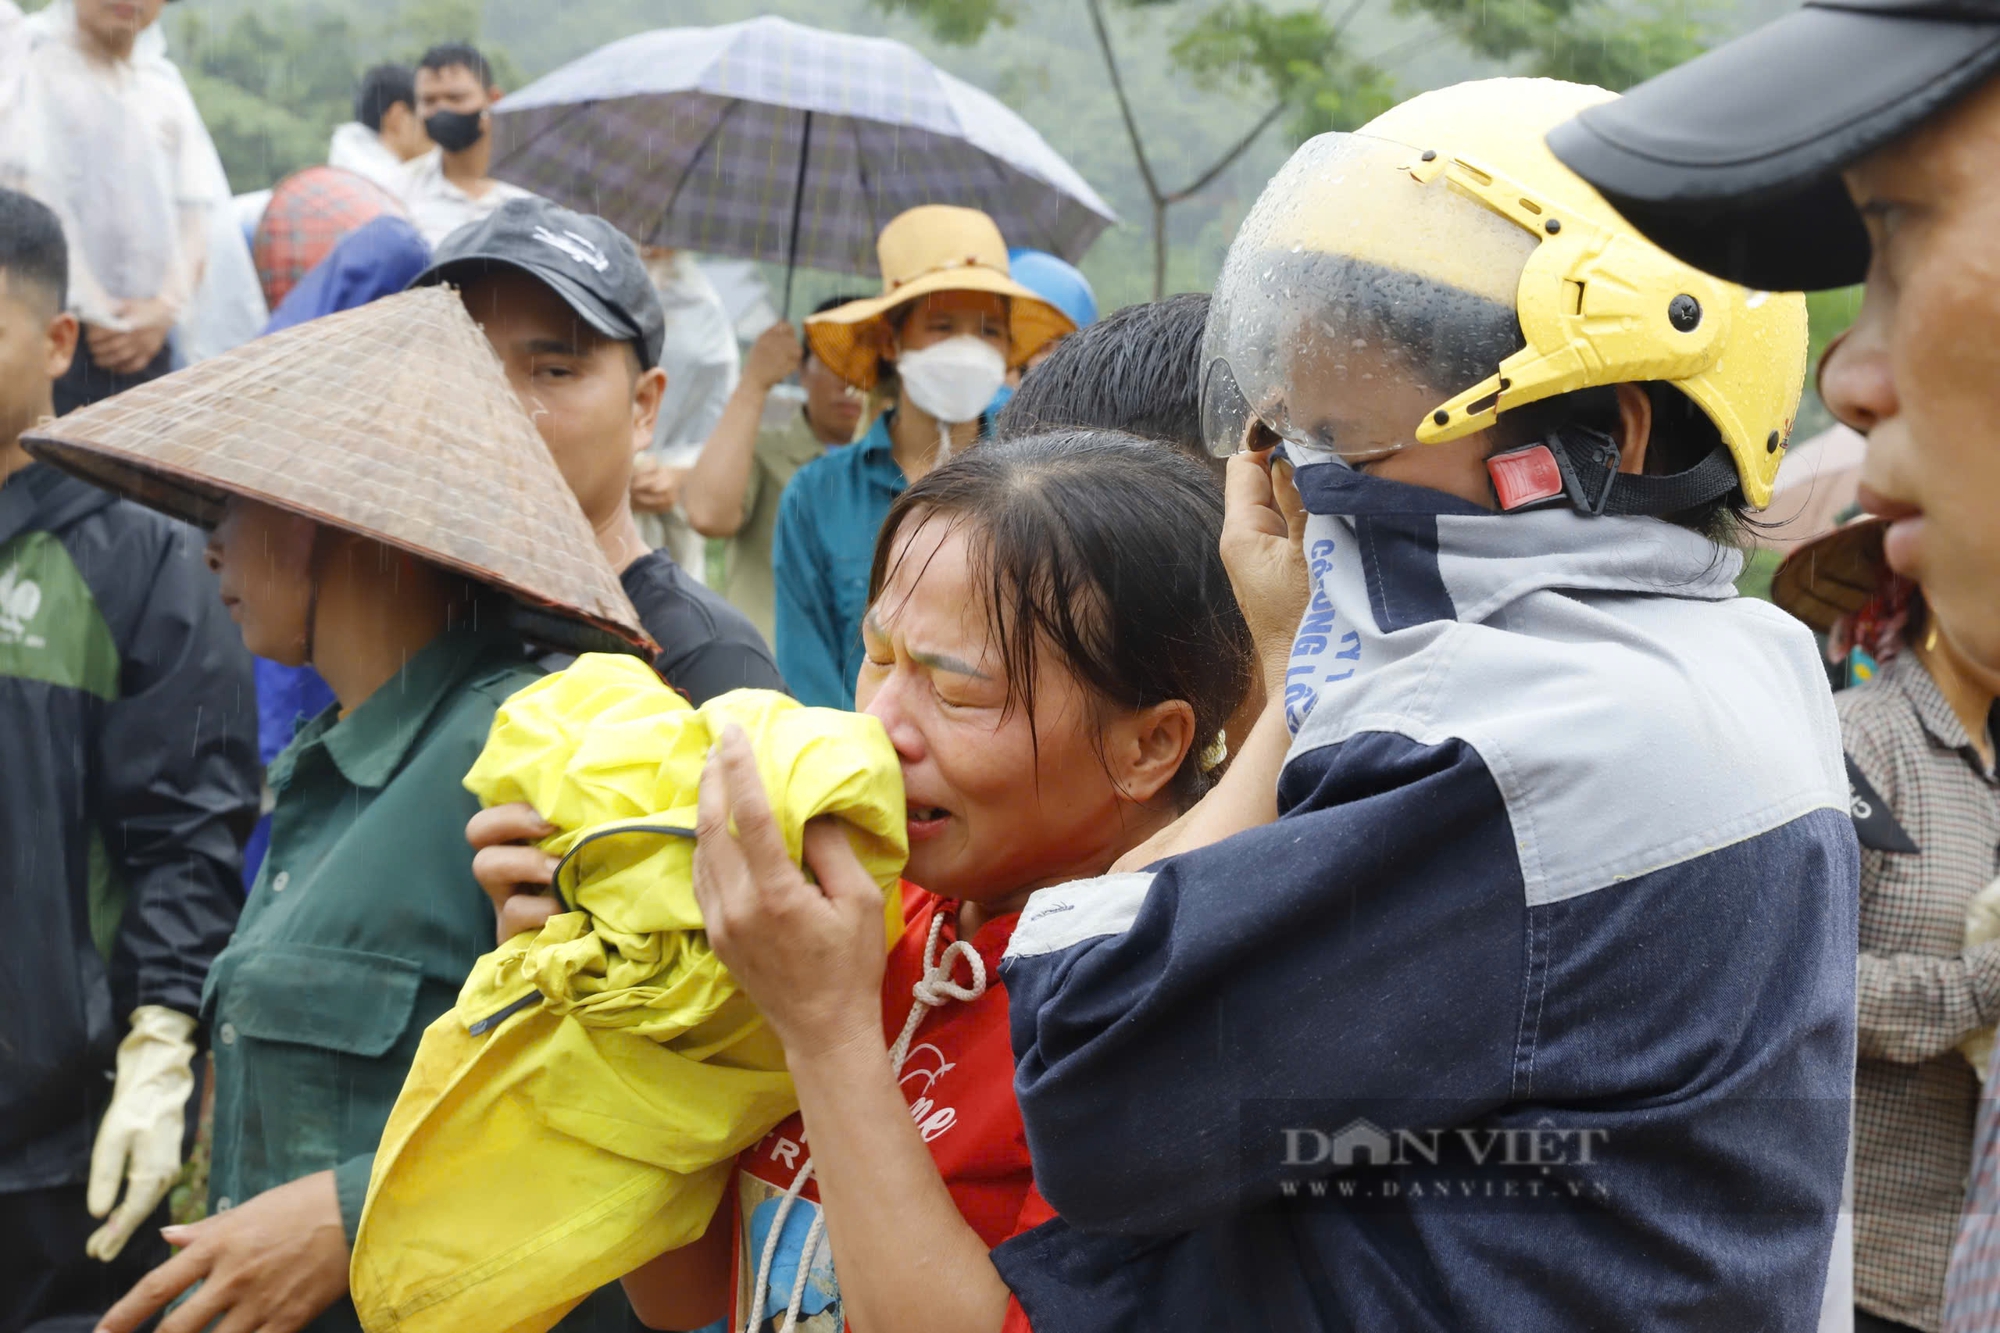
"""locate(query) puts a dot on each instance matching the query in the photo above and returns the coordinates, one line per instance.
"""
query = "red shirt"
(959, 1082)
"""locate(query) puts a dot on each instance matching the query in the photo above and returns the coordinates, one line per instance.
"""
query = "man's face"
(584, 391)
(453, 88)
(116, 23)
(36, 343)
(832, 408)
(1919, 373)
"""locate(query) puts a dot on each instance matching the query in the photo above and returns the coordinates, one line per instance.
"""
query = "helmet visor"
(1363, 289)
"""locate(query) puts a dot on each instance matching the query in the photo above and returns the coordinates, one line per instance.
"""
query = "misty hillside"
(271, 91)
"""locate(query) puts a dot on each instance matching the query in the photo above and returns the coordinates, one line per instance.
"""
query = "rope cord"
(931, 991)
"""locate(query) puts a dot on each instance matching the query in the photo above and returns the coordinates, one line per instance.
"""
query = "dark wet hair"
(1137, 370)
(1105, 548)
(446, 55)
(381, 88)
(32, 251)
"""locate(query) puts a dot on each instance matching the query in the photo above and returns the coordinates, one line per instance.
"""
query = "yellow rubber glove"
(139, 1141)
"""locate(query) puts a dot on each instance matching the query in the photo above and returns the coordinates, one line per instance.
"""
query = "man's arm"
(808, 646)
(1350, 960)
(178, 780)
(713, 494)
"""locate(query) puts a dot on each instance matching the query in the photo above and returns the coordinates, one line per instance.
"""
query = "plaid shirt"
(1921, 990)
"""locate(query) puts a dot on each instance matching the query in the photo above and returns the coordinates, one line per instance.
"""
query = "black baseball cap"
(1732, 161)
(585, 260)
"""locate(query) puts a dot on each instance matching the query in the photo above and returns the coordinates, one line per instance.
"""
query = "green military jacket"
(360, 929)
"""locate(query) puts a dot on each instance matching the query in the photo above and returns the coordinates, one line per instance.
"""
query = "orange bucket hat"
(931, 248)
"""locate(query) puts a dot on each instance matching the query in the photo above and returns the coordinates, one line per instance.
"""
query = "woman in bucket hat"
(1926, 806)
(948, 326)
(382, 509)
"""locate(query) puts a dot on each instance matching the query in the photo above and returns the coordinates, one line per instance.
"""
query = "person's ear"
(59, 344)
(1150, 745)
(647, 393)
(1635, 427)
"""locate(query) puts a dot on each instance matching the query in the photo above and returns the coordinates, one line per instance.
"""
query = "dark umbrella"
(770, 140)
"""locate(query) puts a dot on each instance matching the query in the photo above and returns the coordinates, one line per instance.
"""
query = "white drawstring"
(932, 990)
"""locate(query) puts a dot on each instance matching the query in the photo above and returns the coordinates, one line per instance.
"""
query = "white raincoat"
(140, 209)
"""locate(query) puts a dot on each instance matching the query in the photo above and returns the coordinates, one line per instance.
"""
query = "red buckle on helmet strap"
(1522, 477)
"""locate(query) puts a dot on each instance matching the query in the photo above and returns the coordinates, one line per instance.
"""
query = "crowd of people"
(1262, 810)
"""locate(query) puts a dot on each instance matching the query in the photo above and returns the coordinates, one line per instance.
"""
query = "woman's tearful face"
(999, 804)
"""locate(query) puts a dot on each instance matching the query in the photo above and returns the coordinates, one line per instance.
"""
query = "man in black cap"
(1852, 140)
(1859, 141)
(566, 302)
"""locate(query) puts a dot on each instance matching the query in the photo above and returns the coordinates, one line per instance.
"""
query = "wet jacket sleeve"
(808, 647)
(1911, 1006)
(350, 1184)
(1168, 1027)
(179, 781)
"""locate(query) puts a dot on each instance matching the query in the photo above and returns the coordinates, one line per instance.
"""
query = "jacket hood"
(1571, 653)
(42, 498)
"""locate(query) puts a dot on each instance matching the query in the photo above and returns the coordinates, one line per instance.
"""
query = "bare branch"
(1340, 28)
(1124, 104)
(1222, 163)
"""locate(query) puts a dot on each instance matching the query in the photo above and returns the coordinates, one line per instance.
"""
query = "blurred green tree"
(1298, 62)
(1294, 60)
(273, 81)
(1584, 41)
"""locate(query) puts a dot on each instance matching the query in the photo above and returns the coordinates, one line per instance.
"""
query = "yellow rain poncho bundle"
(580, 1110)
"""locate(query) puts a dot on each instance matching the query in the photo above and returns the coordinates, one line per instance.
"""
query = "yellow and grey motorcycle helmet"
(1444, 243)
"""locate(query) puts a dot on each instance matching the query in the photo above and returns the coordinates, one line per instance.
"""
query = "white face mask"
(952, 380)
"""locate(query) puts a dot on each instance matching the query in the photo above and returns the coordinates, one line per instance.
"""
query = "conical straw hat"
(392, 420)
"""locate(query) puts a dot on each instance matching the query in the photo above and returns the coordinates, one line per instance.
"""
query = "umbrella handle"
(798, 201)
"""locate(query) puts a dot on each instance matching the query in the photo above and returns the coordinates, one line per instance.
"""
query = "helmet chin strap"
(1578, 466)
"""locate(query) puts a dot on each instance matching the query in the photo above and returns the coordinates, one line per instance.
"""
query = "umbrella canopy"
(394, 421)
(770, 140)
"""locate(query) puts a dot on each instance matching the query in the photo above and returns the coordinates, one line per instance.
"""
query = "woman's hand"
(810, 954)
(514, 872)
(1263, 549)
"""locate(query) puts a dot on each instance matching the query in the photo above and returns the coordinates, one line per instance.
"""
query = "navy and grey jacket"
(1535, 1008)
(128, 779)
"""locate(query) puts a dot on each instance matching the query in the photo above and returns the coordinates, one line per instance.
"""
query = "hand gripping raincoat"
(581, 1108)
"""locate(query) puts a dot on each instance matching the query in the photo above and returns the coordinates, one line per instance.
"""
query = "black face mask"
(454, 131)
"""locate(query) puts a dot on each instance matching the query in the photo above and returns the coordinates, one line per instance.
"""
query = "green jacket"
(128, 780)
(363, 924)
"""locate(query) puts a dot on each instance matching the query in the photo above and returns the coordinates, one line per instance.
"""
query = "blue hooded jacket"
(1535, 1007)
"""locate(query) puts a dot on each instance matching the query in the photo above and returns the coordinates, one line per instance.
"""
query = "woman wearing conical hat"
(948, 326)
(382, 509)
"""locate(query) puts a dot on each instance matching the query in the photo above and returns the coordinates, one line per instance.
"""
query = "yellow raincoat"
(580, 1110)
